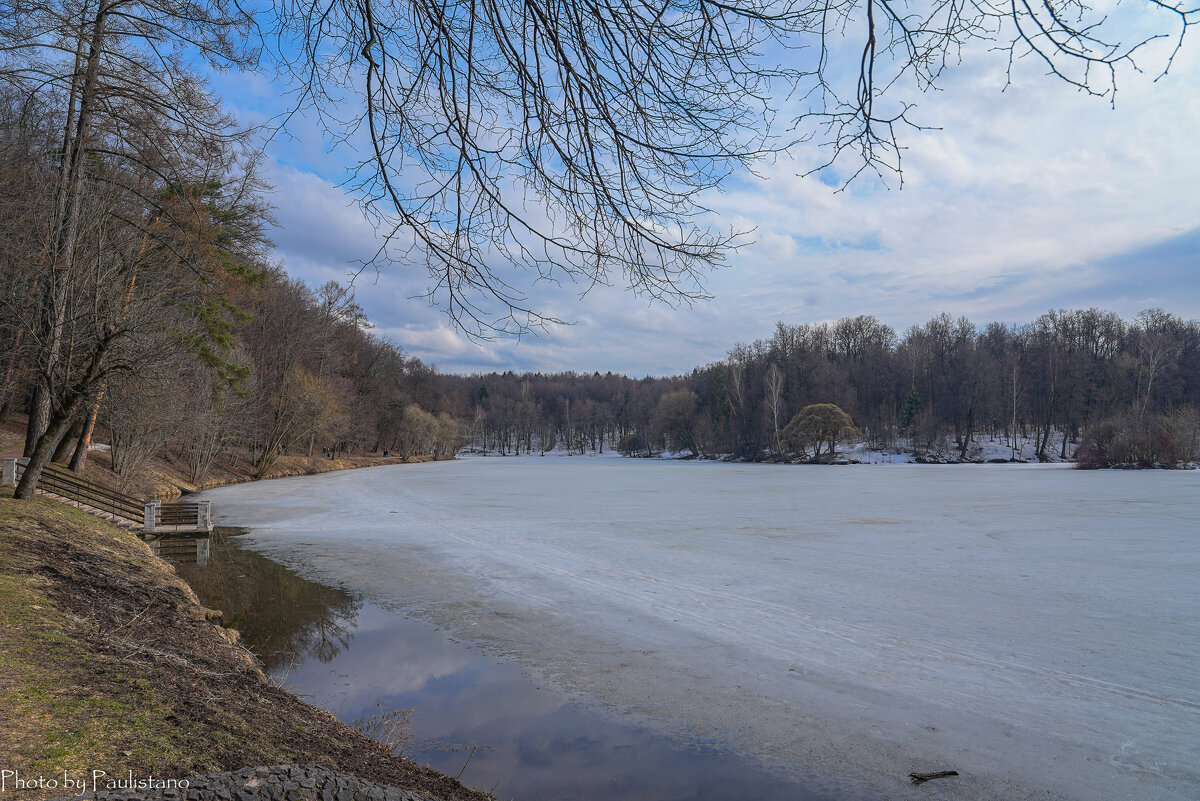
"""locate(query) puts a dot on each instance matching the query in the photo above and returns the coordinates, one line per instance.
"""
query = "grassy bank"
(108, 662)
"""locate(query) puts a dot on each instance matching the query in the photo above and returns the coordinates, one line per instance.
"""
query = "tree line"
(936, 389)
(138, 294)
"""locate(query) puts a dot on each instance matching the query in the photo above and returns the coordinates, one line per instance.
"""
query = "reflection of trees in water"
(282, 618)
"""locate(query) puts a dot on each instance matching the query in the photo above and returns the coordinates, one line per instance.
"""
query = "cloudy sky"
(1024, 199)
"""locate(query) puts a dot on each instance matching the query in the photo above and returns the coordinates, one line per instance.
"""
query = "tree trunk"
(1043, 441)
(56, 430)
(79, 459)
(61, 420)
(39, 419)
(64, 444)
(66, 225)
(966, 440)
(1015, 395)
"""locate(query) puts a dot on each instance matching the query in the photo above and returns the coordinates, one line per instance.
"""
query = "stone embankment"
(281, 783)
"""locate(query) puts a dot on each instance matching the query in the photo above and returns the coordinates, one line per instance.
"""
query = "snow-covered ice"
(1035, 628)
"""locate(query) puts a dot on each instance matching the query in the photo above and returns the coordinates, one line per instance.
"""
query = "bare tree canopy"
(505, 143)
(512, 142)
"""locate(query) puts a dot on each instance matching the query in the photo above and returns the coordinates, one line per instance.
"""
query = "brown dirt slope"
(108, 662)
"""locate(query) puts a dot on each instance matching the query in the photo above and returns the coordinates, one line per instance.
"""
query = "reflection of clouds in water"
(385, 661)
(411, 664)
(486, 695)
(520, 738)
(361, 661)
(538, 755)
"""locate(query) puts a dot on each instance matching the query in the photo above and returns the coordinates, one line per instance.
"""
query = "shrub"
(631, 444)
(1150, 441)
(819, 426)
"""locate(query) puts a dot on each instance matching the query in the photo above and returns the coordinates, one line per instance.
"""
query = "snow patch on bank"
(980, 450)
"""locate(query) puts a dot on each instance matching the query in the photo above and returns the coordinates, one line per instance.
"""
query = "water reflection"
(283, 618)
(183, 550)
(472, 714)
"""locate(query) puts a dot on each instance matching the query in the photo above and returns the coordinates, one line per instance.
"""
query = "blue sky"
(1024, 199)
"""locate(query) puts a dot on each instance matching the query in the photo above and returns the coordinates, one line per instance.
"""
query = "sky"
(1017, 200)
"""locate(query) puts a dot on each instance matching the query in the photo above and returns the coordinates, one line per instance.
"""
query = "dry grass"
(108, 662)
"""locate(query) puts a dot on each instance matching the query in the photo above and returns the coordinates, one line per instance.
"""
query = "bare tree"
(1183, 426)
(140, 419)
(136, 126)
(510, 142)
(774, 385)
(1155, 345)
(26, 198)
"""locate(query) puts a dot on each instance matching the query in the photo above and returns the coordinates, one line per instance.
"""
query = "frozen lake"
(1035, 628)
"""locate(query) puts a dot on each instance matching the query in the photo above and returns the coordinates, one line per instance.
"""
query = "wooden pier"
(154, 517)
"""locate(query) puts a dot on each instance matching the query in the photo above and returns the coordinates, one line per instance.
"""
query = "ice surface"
(1035, 628)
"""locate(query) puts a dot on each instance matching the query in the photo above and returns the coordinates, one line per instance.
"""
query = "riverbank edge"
(108, 661)
(172, 484)
(166, 475)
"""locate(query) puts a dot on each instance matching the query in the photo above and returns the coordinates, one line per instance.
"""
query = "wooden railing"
(68, 485)
(150, 516)
(180, 513)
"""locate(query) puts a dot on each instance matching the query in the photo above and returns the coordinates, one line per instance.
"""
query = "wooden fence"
(150, 517)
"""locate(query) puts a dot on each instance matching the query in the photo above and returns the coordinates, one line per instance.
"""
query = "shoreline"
(167, 477)
(110, 662)
(292, 467)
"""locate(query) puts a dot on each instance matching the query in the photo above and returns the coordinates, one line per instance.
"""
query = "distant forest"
(934, 390)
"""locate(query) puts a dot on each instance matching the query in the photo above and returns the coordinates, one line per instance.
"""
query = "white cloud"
(1006, 210)
(320, 227)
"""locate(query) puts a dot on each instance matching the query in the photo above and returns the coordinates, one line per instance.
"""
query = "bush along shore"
(109, 664)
